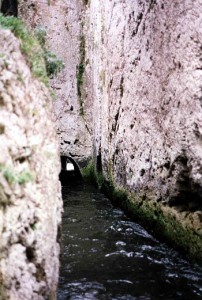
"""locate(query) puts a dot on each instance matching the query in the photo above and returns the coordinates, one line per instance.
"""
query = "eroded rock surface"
(30, 201)
(140, 92)
(146, 74)
(62, 22)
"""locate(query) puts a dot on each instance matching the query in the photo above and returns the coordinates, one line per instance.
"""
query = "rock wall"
(62, 21)
(132, 83)
(144, 80)
(30, 201)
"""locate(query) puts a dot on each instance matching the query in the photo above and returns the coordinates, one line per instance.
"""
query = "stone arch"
(66, 176)
(9, 7)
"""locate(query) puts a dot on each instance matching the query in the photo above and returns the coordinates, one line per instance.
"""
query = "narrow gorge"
(116, 86)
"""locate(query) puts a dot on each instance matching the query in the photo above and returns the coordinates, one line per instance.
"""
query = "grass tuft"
(30, 46)
(53, 64)
(13, 177)
(43, 63)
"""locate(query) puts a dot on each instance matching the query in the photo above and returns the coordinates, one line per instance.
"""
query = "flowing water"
(105, 255)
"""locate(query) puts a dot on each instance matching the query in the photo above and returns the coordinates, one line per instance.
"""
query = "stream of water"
(105, 255)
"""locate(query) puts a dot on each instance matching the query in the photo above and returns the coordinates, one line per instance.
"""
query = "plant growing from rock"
(29, 45)
(53, 63)
(12, 176)
(43, 62)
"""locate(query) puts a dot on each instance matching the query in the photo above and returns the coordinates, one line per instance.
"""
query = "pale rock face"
(145, 77)
(30, 198)
(141, 90)
(62, 21)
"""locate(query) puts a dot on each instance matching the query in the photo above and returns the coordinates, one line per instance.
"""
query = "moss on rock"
(163, 221)
(30, 46)
(43, 63)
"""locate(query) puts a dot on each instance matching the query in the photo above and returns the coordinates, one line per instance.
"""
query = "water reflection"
(107, 256)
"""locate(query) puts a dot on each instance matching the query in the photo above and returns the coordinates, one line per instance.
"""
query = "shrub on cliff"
(53, 63)
(30, 46)
(42, 62)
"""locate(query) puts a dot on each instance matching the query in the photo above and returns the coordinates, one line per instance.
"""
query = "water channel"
(105, 255)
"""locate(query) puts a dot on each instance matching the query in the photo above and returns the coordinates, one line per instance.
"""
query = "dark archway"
(9, 7)
(67, 176)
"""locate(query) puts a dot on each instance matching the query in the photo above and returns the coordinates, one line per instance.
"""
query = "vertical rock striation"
(30, 203)
(62, 22)
(145, 80)
(132, 83)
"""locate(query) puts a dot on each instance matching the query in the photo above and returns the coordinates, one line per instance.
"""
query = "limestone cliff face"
(133, 82)
(30, 202)
(62, 22)
(145, 80)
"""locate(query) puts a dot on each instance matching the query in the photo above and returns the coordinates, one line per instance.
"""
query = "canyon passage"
(113, 87)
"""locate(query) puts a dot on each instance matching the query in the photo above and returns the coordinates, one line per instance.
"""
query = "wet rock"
(145, 72)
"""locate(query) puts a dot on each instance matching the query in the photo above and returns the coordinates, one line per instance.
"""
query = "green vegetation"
(43, 63)
(41, 35)
(151, 214)
(80, 72)
(90, 175)
(165, 225)
(33, 226)
(16, 177)
(53, 64)
(29, 45)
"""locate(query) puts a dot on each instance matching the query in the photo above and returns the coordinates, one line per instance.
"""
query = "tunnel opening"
(9, 7)
(70, 171)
